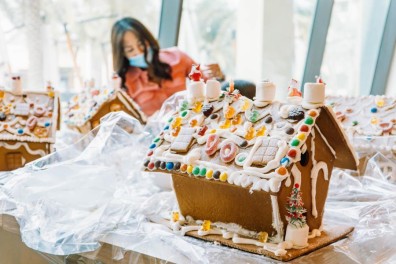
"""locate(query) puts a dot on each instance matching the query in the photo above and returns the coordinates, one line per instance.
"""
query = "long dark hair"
(156, 68)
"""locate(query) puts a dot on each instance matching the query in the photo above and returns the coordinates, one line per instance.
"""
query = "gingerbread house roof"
(369, 122)
(235, 139)
(84, 106)
(30, 116)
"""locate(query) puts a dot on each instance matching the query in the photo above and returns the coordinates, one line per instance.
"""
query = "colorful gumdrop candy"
(261, 131)
(197, 107)
(184, 106)
(228, 152)
(211, 144)
(193, 122)
(206, 225)
(245, 105)
(229, 112)
(250, 133)
(177, 122)
(226, 124)
(237, 119)
(202, 131)
(253, 116)
(175, 216)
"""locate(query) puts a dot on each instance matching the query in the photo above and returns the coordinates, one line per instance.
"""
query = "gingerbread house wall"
(321, 153)
(7, 153)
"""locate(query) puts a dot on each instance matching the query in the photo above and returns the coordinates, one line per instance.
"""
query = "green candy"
(196, 171)
(184, 113)
(157, 139)
(170, 119)
(355, 123)
(184, 106)
(295, 142)
(309, 121)
(202, 172)
(254, 116)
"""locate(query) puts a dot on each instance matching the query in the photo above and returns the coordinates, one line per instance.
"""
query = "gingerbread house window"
(265, 152)
(14, 160)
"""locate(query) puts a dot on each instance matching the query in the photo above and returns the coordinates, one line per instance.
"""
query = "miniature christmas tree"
(295, 208)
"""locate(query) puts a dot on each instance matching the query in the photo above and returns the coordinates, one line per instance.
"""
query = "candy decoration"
(207, 110)
(195, 171)
(177, 122)
(304, 128)
(206, 225)
(195, 74)
(294, 143)
(228, 152)
(355, 123)
(170, 165)
(163, 165)
(193, 122)
(309, 121)
(175, 216)
(313, 113)
(209, 174)
(146, 163)
(261, 131)
(177, 165)
(226, 124)
(246, 105)
(296, 114)
(214, 116)
(374, 120)
(379, 101)
(253, 116)
(176, 131)
(292, 153)
(202, 172)
(211, 144)
(170, 119)
(184, 106)
(281, 171)
(150, 153)
(301, 136)
(284, 161)
(31, 122)
(268, 120)
(223, 176)
(216, 175)
(150, 166)
(289, 131)
(184, 113)
(202, 131)
(197, 107)
(157, 164)
(229, 112)
(189, 169)
(374, 110)
(237, 119)
(243, 144)
(3, 116)
(250, 133)
(39, 110)
(166, 127)
(183, 168)
(152, 146)
(156, 139)
(262, 237)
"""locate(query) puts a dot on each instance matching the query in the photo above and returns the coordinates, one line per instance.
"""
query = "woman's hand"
(213, 70)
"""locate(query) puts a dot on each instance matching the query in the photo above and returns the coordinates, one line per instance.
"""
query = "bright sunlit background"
(250, 39)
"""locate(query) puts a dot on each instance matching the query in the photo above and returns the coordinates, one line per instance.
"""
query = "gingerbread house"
(370, 123)
(85, 110)
(236, 164)
(28, 124)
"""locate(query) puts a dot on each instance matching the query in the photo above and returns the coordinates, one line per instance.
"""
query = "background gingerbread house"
(28, 124)
(85, 110)
(234, 160)
(370, 123)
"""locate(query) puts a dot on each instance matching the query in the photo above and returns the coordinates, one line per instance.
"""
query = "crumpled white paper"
(94, 191)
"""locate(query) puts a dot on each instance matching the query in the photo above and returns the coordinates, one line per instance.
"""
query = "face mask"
(139, 61)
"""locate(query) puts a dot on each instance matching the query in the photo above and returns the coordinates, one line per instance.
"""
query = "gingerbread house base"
(329, 235)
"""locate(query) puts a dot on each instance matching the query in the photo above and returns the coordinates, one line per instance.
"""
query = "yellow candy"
(105, 91)
(379, 101)
(230, 112)
(261, 131)
(209, 174)
(1, 94)
(206, 225)
(374, 120)
(51, 93)
(175, 216)
(226, 124)
(301, 136)
(212, 131)
(176, 131)
(197, 107)
(223, 176)
(250, 134)
(263, 237)
(237, 120)
(189, 169)
(177, 122)
(245, 105)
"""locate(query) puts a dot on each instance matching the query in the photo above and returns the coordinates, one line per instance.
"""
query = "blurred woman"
(149, 74)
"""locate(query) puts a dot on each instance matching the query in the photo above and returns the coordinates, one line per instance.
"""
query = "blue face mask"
(138, 61)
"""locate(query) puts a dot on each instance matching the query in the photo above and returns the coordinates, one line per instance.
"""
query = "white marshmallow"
(196, 90)
(265, 91)
(314, 92)
(213, 89)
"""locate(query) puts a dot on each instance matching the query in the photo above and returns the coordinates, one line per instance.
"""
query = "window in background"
(352, 45)
(208, 32)
(75, 43)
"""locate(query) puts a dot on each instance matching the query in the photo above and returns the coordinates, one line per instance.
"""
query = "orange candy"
(237, 120)
(312, 113)
(230, 112)
(282, 171)
(250, 134)
(176, 131)
(261, 131)
(193, 122)
(226, 124)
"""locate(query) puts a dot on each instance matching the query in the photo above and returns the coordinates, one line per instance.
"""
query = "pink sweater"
(150, 95)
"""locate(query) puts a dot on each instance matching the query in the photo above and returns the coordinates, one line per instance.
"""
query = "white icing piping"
(296, 175)
(17, 145)
(276, 219)
(321, 165)
(326, 142)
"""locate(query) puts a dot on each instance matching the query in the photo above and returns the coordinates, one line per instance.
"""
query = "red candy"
(202, 131)
(150, 153)
(292, 153)
(151, 166)
(304, 128)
